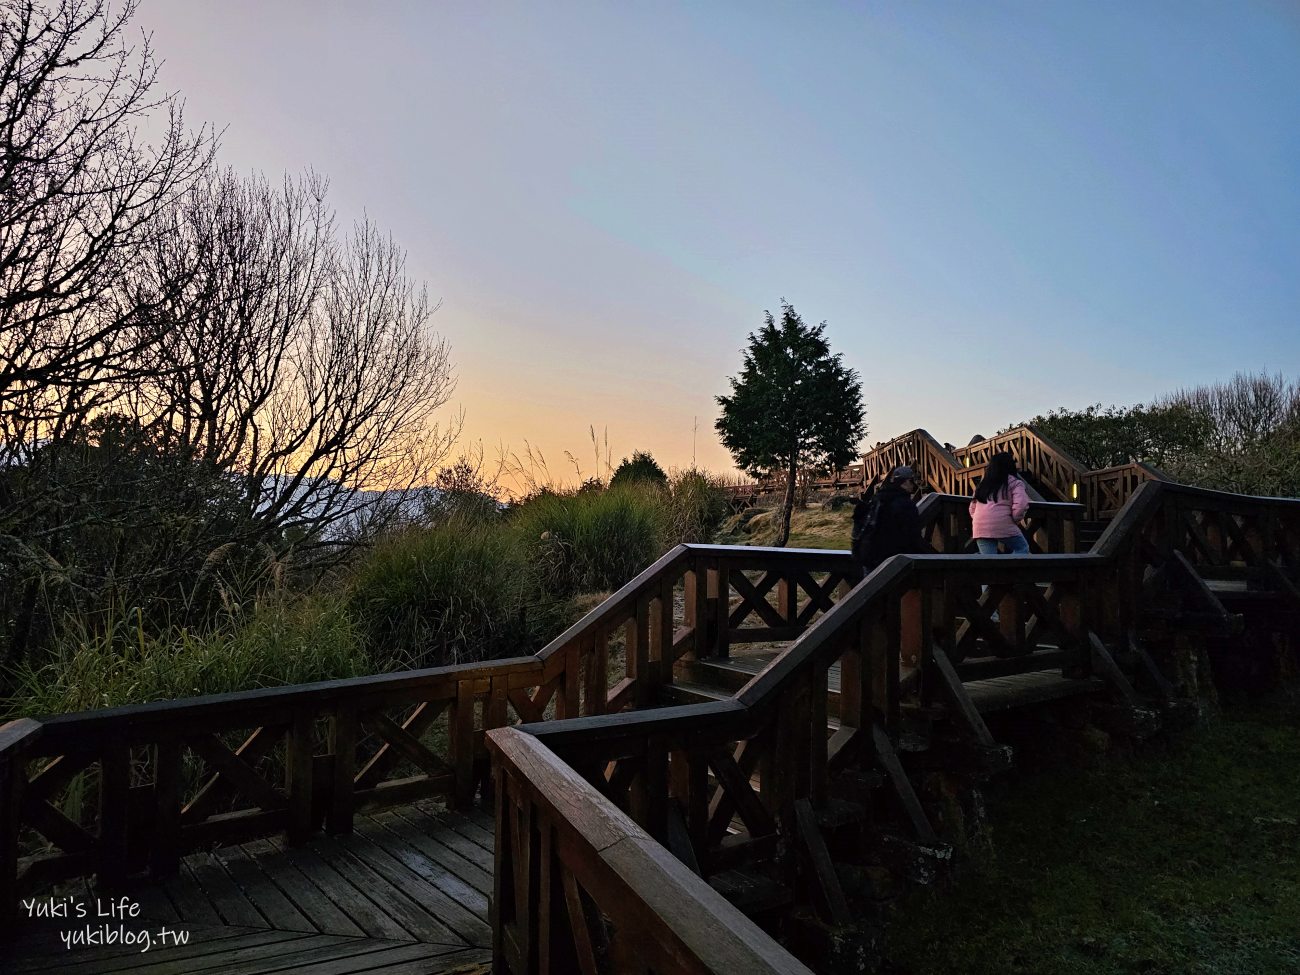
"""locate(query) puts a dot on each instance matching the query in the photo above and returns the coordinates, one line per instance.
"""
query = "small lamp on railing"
(1074, 491)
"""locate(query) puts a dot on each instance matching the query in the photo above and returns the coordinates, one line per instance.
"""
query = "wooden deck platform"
(406, 894)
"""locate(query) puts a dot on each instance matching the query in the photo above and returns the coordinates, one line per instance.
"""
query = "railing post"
(13, 779)
(911, 635)
(114, 813)
(298, 776)
(660, 661)
(720, 601)
(697, 606)
(882, 667)
(165, 851)
(1070, 611)
(787, 600)
(637, 652)
(343, 745)
(462, 744)
(818, 785)
(500, 907)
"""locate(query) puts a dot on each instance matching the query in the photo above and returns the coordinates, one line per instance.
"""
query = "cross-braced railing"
(130, 790)
(958, 471)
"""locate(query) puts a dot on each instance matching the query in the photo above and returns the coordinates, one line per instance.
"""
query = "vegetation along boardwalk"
(665, 796)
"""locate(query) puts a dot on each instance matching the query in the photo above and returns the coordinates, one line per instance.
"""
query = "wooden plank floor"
(406, 894)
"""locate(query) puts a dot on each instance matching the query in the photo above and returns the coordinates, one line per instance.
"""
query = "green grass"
(116, 661)
(1184, 859)
(592, 540)
(452, 592)
(809, 528)
(816, 528)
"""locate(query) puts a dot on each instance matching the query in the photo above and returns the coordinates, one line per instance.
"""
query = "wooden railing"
(738, 781)
(1102, 493)
(120, 791)
(1108, 489)
(124, 790)
(568, 860)
(936, 468)
(847, 478)
(1052, 527)
(911, 624)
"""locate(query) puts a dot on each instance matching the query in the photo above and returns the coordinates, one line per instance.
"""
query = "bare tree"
(1252, 440)
(302, 363)
(80, 191)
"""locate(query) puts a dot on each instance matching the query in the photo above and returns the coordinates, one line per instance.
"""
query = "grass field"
(810, 528)
(1182, 859)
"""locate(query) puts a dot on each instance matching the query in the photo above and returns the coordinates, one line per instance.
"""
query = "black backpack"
(866, 516)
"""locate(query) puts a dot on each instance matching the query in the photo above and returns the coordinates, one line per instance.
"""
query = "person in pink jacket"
(1000, 502)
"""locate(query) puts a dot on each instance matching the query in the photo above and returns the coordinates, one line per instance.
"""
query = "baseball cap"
(900, 474)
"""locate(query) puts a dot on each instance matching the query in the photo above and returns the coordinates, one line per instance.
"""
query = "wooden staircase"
(733, 723)
(1090, 532)
(987, 679)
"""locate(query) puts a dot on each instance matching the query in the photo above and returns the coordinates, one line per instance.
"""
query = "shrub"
(461, 491)
(591, 540)
(456, 591)
(642, 468)
(114, 517)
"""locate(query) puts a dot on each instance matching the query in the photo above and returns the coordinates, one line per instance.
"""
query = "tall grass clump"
(117, 660)
(591, 540)
(451, 592)
(695, 506)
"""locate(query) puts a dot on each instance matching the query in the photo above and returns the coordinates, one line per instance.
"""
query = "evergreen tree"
(642, 467)
(793, 405)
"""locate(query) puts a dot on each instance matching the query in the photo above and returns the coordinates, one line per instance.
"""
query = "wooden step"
(984, 668)
(687, 692)
(1022, 690)
(731, 673)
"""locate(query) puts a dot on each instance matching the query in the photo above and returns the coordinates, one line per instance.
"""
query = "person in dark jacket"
(894, 527)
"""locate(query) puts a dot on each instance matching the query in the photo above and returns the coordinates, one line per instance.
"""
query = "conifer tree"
(793, 405)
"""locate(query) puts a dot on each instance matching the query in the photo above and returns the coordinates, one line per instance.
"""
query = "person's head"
(1001, 468)
(903, 477)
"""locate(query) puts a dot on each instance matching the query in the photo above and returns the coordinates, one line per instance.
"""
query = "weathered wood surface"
(407, 893)
(574, 874)
(718, 781)
(289, 761)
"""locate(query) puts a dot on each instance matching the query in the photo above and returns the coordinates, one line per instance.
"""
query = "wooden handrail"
(1041, 457)
(595, 862)
(876, 629)
(847, 477)
(905, 607)
(378, 725)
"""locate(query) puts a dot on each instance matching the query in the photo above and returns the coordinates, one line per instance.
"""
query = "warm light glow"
(1074, 492)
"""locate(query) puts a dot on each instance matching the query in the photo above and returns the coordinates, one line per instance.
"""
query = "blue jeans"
(1016, 545)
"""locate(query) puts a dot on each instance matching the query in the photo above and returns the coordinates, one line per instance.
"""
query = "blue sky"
(998, 208)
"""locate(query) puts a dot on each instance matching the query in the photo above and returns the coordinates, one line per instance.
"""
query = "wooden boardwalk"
(721, 677)
(406, 894)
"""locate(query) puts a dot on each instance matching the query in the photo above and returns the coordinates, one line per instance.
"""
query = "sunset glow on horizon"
(997, 210)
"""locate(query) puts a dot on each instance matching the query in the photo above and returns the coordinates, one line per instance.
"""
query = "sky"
(997, 208)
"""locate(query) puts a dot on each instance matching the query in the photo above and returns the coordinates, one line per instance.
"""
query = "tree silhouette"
(793, 404)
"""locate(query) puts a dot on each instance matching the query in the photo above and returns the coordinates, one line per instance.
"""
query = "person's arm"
(1019, 499)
